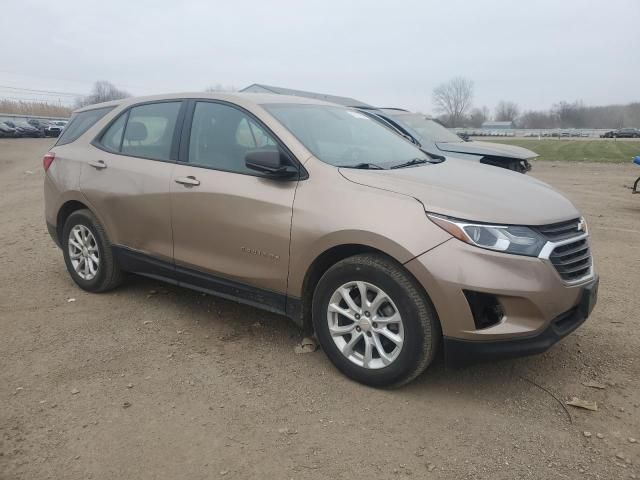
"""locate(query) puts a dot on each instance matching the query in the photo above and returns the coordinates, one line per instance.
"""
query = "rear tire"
(366, 342)
(88, 254)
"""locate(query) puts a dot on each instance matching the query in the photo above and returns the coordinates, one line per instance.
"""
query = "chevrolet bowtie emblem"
(582, 225)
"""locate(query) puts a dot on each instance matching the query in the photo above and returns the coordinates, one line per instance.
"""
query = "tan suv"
(317, 212)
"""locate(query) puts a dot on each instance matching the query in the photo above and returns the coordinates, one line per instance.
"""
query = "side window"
(244, 135)
(222, 135)
(149, 130)
(112, 138)
(80, 123)
(250, 135)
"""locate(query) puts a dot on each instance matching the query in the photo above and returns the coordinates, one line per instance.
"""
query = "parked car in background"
(7, 131)
(24, 129)
(321, 213)
(54, 128)
(627, 133)
(622, 133)
(41, 125)
(434, 138)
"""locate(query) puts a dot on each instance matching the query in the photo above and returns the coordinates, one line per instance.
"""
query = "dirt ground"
(154, 381)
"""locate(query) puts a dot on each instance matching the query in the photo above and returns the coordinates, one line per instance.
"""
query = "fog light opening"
(485, 308)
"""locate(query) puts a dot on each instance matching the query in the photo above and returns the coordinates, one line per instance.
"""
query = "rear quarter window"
(80, 123)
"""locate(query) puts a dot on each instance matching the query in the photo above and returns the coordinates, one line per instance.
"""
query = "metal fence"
(534, 132)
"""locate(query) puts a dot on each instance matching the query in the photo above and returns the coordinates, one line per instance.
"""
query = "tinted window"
(112, 138)
(80, 123)
(222, 135)
(149, 130)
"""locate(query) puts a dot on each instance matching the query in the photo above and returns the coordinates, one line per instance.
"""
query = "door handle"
(98, 164)
(189, 181)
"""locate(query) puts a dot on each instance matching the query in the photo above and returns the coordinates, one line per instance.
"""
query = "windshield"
(344, 137)
(427, 130)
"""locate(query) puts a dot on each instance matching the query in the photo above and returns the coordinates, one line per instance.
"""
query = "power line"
(41, 92)
(22, 99)
(43, 77)
(62, 79)
(36, 100)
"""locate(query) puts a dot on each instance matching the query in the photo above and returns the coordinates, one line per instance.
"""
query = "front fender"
(354, 214)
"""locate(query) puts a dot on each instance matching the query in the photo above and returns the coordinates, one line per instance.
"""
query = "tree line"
(453, 101)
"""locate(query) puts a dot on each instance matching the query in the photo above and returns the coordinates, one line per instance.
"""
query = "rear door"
(231, 225)
(127, 178)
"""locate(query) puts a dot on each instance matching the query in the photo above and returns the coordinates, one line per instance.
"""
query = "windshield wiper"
(436, 158)
(415, 161)
(363, 166)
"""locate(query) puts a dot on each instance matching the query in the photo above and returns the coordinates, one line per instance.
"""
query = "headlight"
(502, 238)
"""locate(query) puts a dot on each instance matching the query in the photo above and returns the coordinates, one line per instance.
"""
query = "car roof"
(240, 98)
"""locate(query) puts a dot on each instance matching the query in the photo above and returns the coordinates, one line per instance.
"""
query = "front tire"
(386, 340)
(87, 253)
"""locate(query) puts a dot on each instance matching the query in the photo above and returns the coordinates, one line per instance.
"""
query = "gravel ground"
(154, 381)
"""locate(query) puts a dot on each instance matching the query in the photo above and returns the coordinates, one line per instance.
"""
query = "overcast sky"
(388, 53)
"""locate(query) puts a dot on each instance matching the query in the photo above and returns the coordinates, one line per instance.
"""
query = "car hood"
(473, 191)
(487, 148)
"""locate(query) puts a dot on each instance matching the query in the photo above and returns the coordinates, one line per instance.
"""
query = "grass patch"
(574, 150)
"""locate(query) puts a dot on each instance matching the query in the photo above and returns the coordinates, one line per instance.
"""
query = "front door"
(231, 225)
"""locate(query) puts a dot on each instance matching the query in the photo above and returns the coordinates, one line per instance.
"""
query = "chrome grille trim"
(571, 259)
(555, 232)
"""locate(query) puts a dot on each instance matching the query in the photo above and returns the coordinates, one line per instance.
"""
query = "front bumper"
(464, 352)
(538, 306)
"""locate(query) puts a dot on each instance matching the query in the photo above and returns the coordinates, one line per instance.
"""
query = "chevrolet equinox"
(318, 212)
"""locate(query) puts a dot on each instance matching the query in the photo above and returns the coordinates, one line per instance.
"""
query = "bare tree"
(478, 116)
(538, 119)
(571, 114)
(453, 99)
(103, 91)
(578, 115)
(507, 111)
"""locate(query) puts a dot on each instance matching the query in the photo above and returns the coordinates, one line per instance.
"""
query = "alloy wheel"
(365, 325)
(83, 252)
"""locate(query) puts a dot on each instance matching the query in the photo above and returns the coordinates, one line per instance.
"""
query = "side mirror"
(272, 162)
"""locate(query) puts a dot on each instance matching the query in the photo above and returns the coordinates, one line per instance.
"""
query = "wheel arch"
(326, 260)
(66, 209)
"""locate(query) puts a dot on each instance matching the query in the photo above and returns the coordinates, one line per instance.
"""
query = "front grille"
(555, 232)
(572, 260)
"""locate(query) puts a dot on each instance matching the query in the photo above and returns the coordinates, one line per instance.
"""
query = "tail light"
(48, 160)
